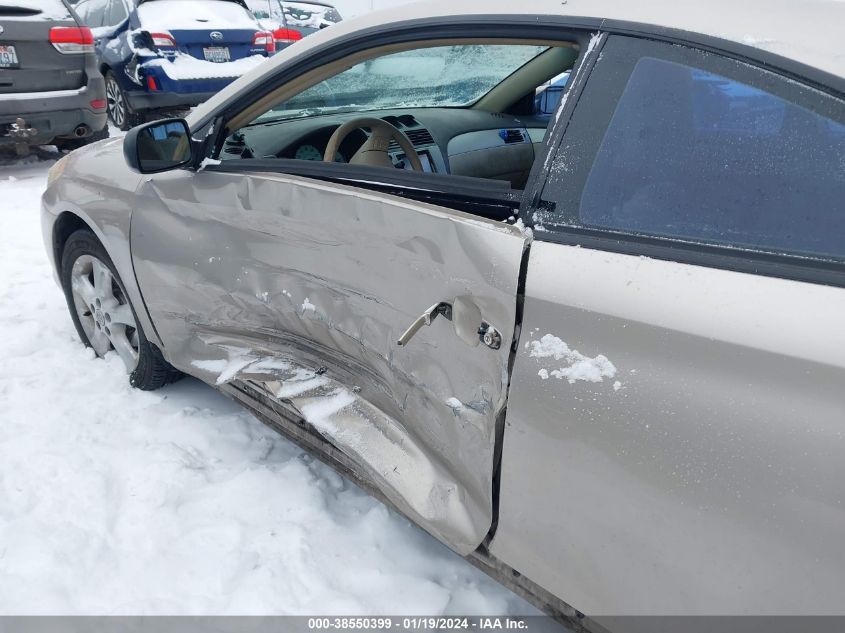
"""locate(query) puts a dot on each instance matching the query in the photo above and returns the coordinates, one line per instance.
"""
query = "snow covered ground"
(114, 501)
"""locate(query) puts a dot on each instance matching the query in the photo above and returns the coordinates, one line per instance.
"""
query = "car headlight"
(57, 170)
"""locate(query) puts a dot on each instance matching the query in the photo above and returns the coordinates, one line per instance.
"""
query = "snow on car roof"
(167, 15)
(809, 32)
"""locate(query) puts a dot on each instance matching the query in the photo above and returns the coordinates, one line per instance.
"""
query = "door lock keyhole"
(490, 336)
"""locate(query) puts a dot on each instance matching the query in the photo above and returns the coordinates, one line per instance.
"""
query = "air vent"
(406, 120)
(512, 136)
(418, 138)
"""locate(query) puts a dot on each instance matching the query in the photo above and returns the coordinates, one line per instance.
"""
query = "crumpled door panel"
(383, 448)
(242, 272)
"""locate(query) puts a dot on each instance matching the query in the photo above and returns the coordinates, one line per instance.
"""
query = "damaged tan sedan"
(563, 287)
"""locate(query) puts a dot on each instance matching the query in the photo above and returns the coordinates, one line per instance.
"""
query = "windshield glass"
(444, 76)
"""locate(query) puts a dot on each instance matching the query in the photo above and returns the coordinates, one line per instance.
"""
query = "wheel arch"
(149, 371)
(65, 225)
(68, 222)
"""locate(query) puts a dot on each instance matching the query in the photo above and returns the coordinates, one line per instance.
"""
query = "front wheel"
(103, 315)
(120, 114)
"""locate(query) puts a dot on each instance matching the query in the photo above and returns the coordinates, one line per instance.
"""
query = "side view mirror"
(547, 101)
(158, 146)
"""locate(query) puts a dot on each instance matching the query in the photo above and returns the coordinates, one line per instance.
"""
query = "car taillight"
(163, 40)
(266, 40)
(99, 104)
(286, 36)
(70, 40)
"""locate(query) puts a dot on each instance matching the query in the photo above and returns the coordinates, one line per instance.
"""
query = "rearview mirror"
(158, 146)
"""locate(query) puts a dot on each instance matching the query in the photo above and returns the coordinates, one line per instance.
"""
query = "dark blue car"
(164, 55)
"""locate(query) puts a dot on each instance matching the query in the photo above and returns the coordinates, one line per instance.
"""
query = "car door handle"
(465, 316)
(425, 319)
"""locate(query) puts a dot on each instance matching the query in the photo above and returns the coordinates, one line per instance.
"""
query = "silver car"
(599, 351)
(51, 90)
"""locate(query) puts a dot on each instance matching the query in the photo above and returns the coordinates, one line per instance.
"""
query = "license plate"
(217, 54)
(8, 57)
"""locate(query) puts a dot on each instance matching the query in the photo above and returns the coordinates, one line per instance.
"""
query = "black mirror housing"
(158, 146)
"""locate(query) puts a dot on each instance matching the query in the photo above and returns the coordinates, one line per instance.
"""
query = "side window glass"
(91, 12)
(696, 155)
(723, 106)
(116, 13)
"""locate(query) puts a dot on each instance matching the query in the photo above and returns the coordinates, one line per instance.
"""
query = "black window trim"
(759, 57)
(794, 267)
(481, 197)
(581, 73)
(762, 263)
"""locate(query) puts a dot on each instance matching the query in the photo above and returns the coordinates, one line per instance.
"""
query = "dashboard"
(456, 141)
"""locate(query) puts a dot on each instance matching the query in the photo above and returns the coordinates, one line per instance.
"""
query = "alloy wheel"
(104, 311)
(116, 103)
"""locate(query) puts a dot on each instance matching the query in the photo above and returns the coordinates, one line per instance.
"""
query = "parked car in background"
(291, 21)
(50, 88)
(164, 55)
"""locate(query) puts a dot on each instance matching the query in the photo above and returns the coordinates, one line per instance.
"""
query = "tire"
(103, 315)
(120, 114)
(71, 144)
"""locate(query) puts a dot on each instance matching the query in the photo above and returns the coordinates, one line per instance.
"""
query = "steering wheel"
(374, 151)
